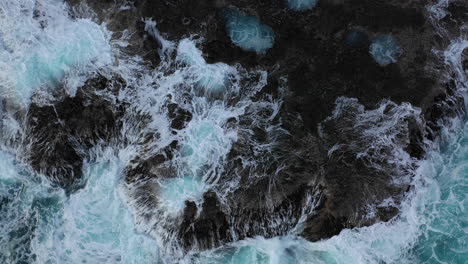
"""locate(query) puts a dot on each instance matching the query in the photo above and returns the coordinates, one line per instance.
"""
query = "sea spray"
(23, 196)
(212, 95)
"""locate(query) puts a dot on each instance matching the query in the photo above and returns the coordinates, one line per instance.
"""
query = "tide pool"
(247, 32)
(385, 50)
(301, 5)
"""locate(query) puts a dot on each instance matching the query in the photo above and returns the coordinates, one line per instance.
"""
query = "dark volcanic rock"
(62, 131)
(368, 169)
(310, 48)
(325, 146)
(271, 194)
(210, 230)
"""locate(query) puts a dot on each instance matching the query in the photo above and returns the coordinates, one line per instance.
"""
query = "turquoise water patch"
(277, 250)
(203, 148)
(385, 50)
(247, 32)
(211, 78)
(94, 225)
(201, 142)
(301, 5)
(175, 191)
(40, 52)
(26, 205)
(40, 224)
(49, 65)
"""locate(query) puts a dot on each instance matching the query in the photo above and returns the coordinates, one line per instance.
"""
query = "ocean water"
(247, 32)
(385, 50)
(100, 223)
(40, 224)
(40, 44)
(301, 5)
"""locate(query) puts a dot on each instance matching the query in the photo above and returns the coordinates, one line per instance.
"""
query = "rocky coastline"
(351, 130)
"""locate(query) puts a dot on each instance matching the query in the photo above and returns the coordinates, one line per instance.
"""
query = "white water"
(40, 44)
(95, 225)
(203, 89)
(43, 47)
(213, 78)
(430, 229)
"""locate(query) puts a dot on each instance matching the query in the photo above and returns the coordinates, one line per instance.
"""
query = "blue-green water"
(45, 226)
(247, 32)
(385, 50)
(38, 52)
(39, 223)
(301, 5)
(444, 233)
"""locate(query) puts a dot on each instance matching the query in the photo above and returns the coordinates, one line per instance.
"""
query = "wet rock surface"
(62, 131)
(369, 165)
(319, 154)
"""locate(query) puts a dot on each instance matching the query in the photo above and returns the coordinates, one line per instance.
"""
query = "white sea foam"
(203, 89)
(41, 45)
(213, 78)
(42, 225)
(385, 50)
(213, 94)
(429, 229)
(94, 225)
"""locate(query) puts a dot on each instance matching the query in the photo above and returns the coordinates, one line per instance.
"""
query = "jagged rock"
(454, 20)
(368, 168)
(310, 50)
(321, 148)
(62, 131)
(210, 229)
